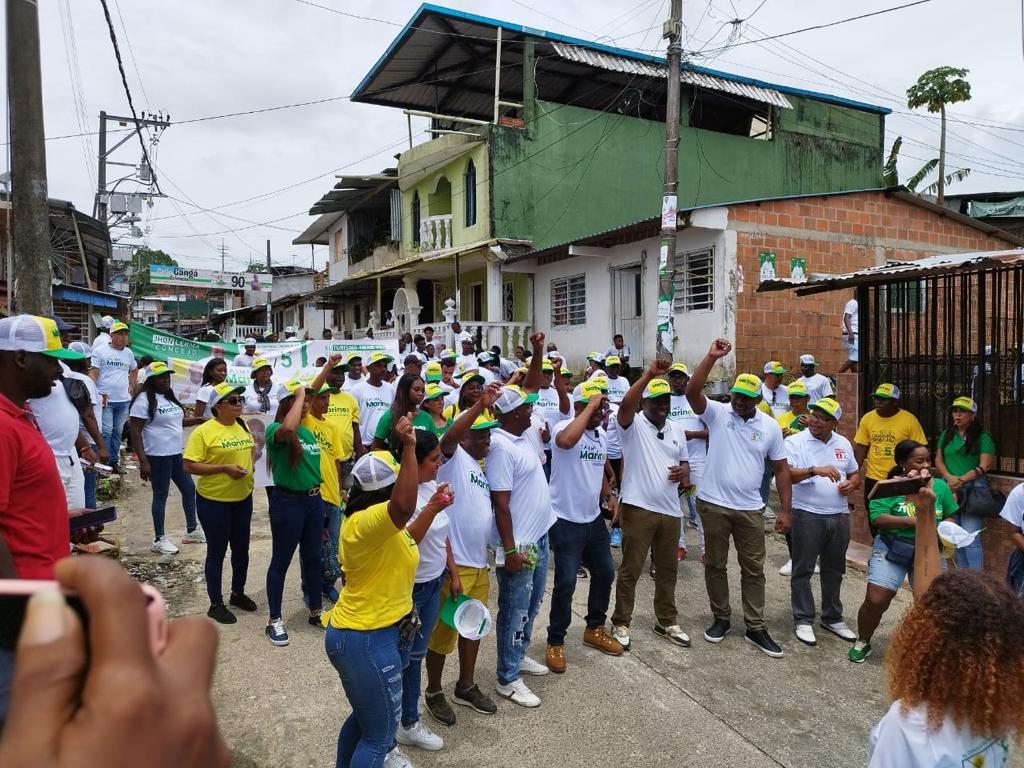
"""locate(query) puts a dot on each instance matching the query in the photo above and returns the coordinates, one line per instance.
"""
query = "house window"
(905, 297)
(416, 218)
(569, 301)
(470, 194)
(711, 111)
(694, 283)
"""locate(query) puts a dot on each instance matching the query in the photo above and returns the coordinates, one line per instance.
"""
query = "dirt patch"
(177, 579)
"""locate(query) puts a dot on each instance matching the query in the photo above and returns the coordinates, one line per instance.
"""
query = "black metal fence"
(946, 335)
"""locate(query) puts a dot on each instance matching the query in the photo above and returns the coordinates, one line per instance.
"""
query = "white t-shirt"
(349, 383)
(547, 407)
(114, 366)
(470, 516)
(203, 395)
(513, 465)
(576, 475)
(778, 400)
(617, 388)
(818, 386)
(57, 419)
(446, 386)
(681, 413)
(433, 555)
(615, 351)
(646, 460)
(467, 362)
(102, 340)
(94, 398)
(820, 495)
(851, 310)
(736, 453)
(252, 400)
(1013, 509)
(903, 741)
(244, 360)
(163, 436)
(373, 402)
(612, 434)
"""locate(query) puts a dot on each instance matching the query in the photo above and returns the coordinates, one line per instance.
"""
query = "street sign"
(161, 274)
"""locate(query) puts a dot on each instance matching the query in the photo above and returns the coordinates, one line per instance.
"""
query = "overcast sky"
(196, 59)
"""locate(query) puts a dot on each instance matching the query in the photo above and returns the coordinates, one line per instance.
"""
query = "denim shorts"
(885, 573)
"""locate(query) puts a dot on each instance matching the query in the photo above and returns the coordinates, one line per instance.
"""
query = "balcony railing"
(436, 233)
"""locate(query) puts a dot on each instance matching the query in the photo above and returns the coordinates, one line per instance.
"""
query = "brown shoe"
(596, 637)
(555, 658)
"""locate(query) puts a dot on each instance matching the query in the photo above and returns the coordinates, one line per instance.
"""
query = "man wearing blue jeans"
(115, 372)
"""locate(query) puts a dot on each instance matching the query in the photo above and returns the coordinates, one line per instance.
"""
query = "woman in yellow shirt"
(374, 615)
(219, 452)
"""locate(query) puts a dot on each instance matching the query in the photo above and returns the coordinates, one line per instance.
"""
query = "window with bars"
(694, 284)
(569, 301)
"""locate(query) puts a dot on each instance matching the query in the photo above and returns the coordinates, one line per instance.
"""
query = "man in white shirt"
(373, 395)
(617, 383)
(620, 350)
(246, 357)
(655, 463)
(579, 535)
(696, 433)
(115, 372)
(522, 516)
(740, 437)
(818, 386)
(486, 367)
(824, 473)
(93, 419)
(355, 371)
(103, 337)
(774, 393)
(552, 405)
(505, 367)
(849, 330)
(467, 358)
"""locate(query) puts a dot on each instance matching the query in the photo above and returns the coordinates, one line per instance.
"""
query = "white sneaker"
(839, 629)
(817, 567)
(418, 735)
(163, 547)
(805, 634)
(528, 666)
(621, 634)
(518, 693)
(396, 759)
(787, 569)
(196, 537)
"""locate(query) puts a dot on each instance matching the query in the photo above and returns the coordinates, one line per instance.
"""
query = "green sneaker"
(860, 651)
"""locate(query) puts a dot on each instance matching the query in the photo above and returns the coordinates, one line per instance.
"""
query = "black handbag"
(980, 500)
(899, 550)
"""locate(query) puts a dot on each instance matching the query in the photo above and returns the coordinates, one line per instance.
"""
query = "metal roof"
(899, 272)
(691, 76)
(352, 192)
(316, 233)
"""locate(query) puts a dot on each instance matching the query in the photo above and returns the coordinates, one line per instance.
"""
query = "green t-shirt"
(958, 462)
(306, 474)
(421, 420)
(945, 505)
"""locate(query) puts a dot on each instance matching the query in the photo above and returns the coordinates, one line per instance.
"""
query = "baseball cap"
(807, 360)
(483, 421)
(887, 391)
(222, 390)
(471, 374)
(678, 368)
(512, 397)
(566, 373)
(62, 325)
(378, 357)
(587, 390)
(157, 368)
(484, 357)
(31, 333)
(354, 356)
(612, 360)
(328, 388)
(798, 389)
(433, 371)
(432, 391)
(412, 359)
(81, 348)
(375, 470)
(250, 342)
(342, 364)
(747, 384)
(447, 354)
(294, 385)
(965, 403)
(774, 366)
(290, 329)
(546, 366)
(465, 336)
(118, 327)
(596, 356)
(259, 362)
(657, 388)
(829, 406)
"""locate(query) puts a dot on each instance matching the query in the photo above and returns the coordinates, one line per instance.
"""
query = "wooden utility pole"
(30, 228)
(669, 200)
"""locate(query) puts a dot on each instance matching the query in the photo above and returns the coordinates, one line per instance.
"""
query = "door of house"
(629, 311)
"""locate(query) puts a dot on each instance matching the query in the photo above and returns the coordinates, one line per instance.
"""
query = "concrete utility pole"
(669, 201)
(30, 230)
(269, 322)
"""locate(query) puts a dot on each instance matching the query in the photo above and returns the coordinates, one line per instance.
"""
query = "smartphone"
(898, 486)
(14, 595)
(91, 518)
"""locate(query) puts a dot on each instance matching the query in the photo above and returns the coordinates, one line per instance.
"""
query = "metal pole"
(497, 77)
(669, 201)
(269, 329)
(31, 225)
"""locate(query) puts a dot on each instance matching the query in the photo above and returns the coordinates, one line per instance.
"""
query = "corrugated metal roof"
(614, 63)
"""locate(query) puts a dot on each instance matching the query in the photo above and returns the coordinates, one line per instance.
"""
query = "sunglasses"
(235, 400)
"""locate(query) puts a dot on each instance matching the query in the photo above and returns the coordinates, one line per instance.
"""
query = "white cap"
(250, 342)
(512, 397)
(807, 360)
(375, 470)
(81, 348)
(290, 329)
(31, 333)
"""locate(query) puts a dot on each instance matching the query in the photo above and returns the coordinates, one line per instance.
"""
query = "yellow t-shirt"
(213, 443)
(380, 563)
(452, 412)
(789, 420)
(882, 435)
(343, 410)
(326, 434)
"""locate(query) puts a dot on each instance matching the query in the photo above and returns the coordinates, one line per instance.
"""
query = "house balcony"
(436, 233)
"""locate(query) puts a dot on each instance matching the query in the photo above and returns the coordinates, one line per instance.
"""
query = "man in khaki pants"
(740, 438)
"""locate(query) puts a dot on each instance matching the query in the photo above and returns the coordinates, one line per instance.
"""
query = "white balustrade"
(436, 233)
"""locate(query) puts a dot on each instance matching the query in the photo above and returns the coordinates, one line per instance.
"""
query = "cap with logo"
(250, 342)
(566, 373)
(294, 385)
(470, 374)
(327, 388)
(829, 406)
(30, 333)
(612, 360)
(484, 421)
(447, 354)
(257, 364)
(354, 356)
(807, 360)
(484, 357)
(433, 371)
(595, 356)
(375, 470)
(547, 367)
(774, 366)
(81, 348)
(433, 391)
(342, 364)
(964, 403)
(157, 368)
(222, 390)
(747, 384)
(512, 397)
(380, 357)
(798, 389)
(887, 391)
(657, 388)
(119, 327)
(587, 390)
(679, 368)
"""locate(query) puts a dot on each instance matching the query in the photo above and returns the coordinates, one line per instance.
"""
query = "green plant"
(934, 90)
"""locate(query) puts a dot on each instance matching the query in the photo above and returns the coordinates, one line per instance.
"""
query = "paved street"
(658, 705)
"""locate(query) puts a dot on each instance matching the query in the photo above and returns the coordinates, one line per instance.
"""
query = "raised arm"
(321, 377)
(534, 374)
(292, 419)
(403, 499)
(927, 563)
(631, 400)
(572, 433)
(695, 386)
(461, 426)
(560, 386)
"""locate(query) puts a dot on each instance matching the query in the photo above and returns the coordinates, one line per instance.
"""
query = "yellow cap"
(829, 406)
(678, 368)
(432, 391)
(657, 388)
(747, 384)
(887, 391)
(433, 371)
(798, 389)
(157, 368)
(588, 389)
(964, 403)
(117, 327)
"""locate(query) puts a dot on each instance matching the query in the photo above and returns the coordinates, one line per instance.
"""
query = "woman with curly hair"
(955, 667)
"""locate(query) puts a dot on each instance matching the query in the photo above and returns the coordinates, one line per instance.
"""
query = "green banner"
(161, 345)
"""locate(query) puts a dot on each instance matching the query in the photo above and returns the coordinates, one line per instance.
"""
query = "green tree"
(144, 257)
(891, 176)
(934, 90)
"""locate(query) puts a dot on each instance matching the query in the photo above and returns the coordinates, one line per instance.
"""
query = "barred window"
(905, 297)
(694, 283)
(569, 301)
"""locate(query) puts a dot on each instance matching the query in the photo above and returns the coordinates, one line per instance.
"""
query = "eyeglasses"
(233, 400)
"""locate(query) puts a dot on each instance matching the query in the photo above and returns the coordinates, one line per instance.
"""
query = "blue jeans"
(427, 599)
(162, 470)
(296, 520)
(972, 555)
(114, 417)
(332, 515)
(571, 544)
(225, 523)
(90, 490)
(519, 596)
(369, 664)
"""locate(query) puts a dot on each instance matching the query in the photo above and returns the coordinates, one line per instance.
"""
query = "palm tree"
(934, 90)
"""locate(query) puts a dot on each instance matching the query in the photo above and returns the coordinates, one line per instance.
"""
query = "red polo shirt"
(33, 505)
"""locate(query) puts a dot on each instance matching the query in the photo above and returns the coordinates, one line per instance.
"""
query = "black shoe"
(314, 621)
(244, 602)
(439, 708)
(717, 631)
(221, 614)
(476, 700)
(761, 639)
(581, 572)
(116, 470)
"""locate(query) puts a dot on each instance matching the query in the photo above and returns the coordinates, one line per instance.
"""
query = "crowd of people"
(404, 483)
